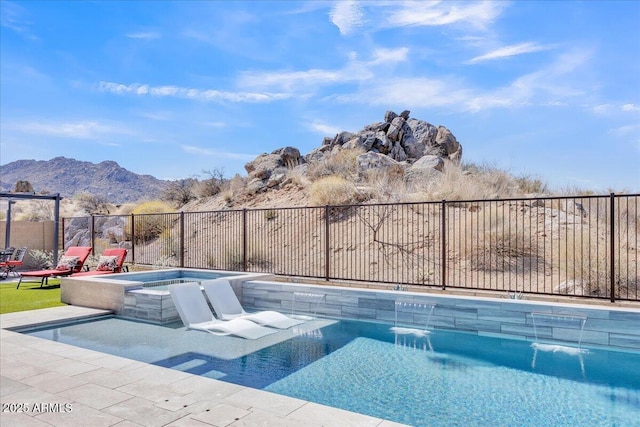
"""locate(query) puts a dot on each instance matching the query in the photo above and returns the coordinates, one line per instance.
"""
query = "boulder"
(370, 160)
(429, 161)
(425, 169)
(277, 177)
(256, 185)
(423, 132)
(389, 116)
(397, 153)
(449, 144)
(290, 156)
(394, 130)
(342, 137)
(261, 167)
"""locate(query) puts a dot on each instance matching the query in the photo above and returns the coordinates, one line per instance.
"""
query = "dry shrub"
(125, 209)
(529, 185)
(585, 254)
(212, 185)
(341, 163)
(494, 241)
(298, 177)
(149, 221)
(233, 259)
(468, 182)
(332, 190)
(386, 186)
(583, 259)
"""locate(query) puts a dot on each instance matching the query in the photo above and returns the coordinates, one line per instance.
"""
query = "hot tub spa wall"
(129, 299)
(484, 316)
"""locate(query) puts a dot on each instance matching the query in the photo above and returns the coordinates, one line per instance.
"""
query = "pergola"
(30, 196)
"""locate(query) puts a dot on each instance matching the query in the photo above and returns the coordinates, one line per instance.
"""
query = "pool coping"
(63, 385)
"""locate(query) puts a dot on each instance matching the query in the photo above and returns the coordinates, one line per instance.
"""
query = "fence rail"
(584, 246)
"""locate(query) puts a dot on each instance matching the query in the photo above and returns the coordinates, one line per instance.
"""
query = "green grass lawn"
(29, 297)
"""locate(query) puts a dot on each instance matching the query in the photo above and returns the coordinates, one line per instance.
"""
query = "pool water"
(442, 378)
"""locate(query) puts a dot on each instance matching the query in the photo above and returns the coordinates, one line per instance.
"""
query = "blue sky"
(547, 89)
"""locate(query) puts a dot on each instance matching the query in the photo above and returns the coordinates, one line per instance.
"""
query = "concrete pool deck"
(63, 385)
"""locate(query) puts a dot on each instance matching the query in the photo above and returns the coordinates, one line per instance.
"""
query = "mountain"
(69, 176)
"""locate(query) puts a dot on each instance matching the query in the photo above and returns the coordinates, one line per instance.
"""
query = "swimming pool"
(441, 378)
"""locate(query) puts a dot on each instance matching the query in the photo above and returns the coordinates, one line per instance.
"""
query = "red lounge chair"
(15, 260)
(71, 262)
(106, 263)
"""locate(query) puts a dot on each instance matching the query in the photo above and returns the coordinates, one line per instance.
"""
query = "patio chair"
(13, 261)
(196, 314)
(227, 306)
(5, 255)
(71, 262)
(111, 261)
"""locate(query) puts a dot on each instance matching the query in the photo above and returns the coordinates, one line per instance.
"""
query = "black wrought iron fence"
(583, 246)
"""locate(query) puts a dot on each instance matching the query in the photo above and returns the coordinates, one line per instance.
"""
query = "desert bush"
(180, 192)
(469, 182)
(495, 240)
(342, 163)
(386, 186)
(332, 190)
(528, 185)
(232, 259)
(298, 176)
(36, 210)
(170, 245)
(149, 221)
(582, 260)
(41, 259)
(124, 209)
(23, 187)
(93, 204)
(212, 185)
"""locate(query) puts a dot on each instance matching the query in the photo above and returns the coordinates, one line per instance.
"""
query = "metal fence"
(584, 246)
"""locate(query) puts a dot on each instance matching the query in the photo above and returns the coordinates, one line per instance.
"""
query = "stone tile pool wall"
(615, 327)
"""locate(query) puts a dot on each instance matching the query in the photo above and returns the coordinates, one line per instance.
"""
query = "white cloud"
(214, 124)
(144, 35)
(631, 107)
(436, 13)
(12, 16)
(323, 128)
(156, 115)
(346, 15)
(412, 92)
(389, 55)
(209, 95)
(354, 71)
(626, 130)
(79, 130)
(191, 149)
(507, 51)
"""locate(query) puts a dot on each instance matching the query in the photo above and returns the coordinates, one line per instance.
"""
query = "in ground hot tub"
(142, 295)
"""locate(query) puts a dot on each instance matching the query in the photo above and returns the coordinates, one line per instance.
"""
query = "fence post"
(181, 239)
(326, 243)
(133, 240)
(443, 244)
(93, 233)
(58, 231)
(244, 239)
(612, 245)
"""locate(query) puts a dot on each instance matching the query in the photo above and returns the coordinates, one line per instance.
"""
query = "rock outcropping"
(400, 141)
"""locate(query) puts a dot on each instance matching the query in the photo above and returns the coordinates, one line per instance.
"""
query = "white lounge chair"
(196, 314)
(227, 306)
